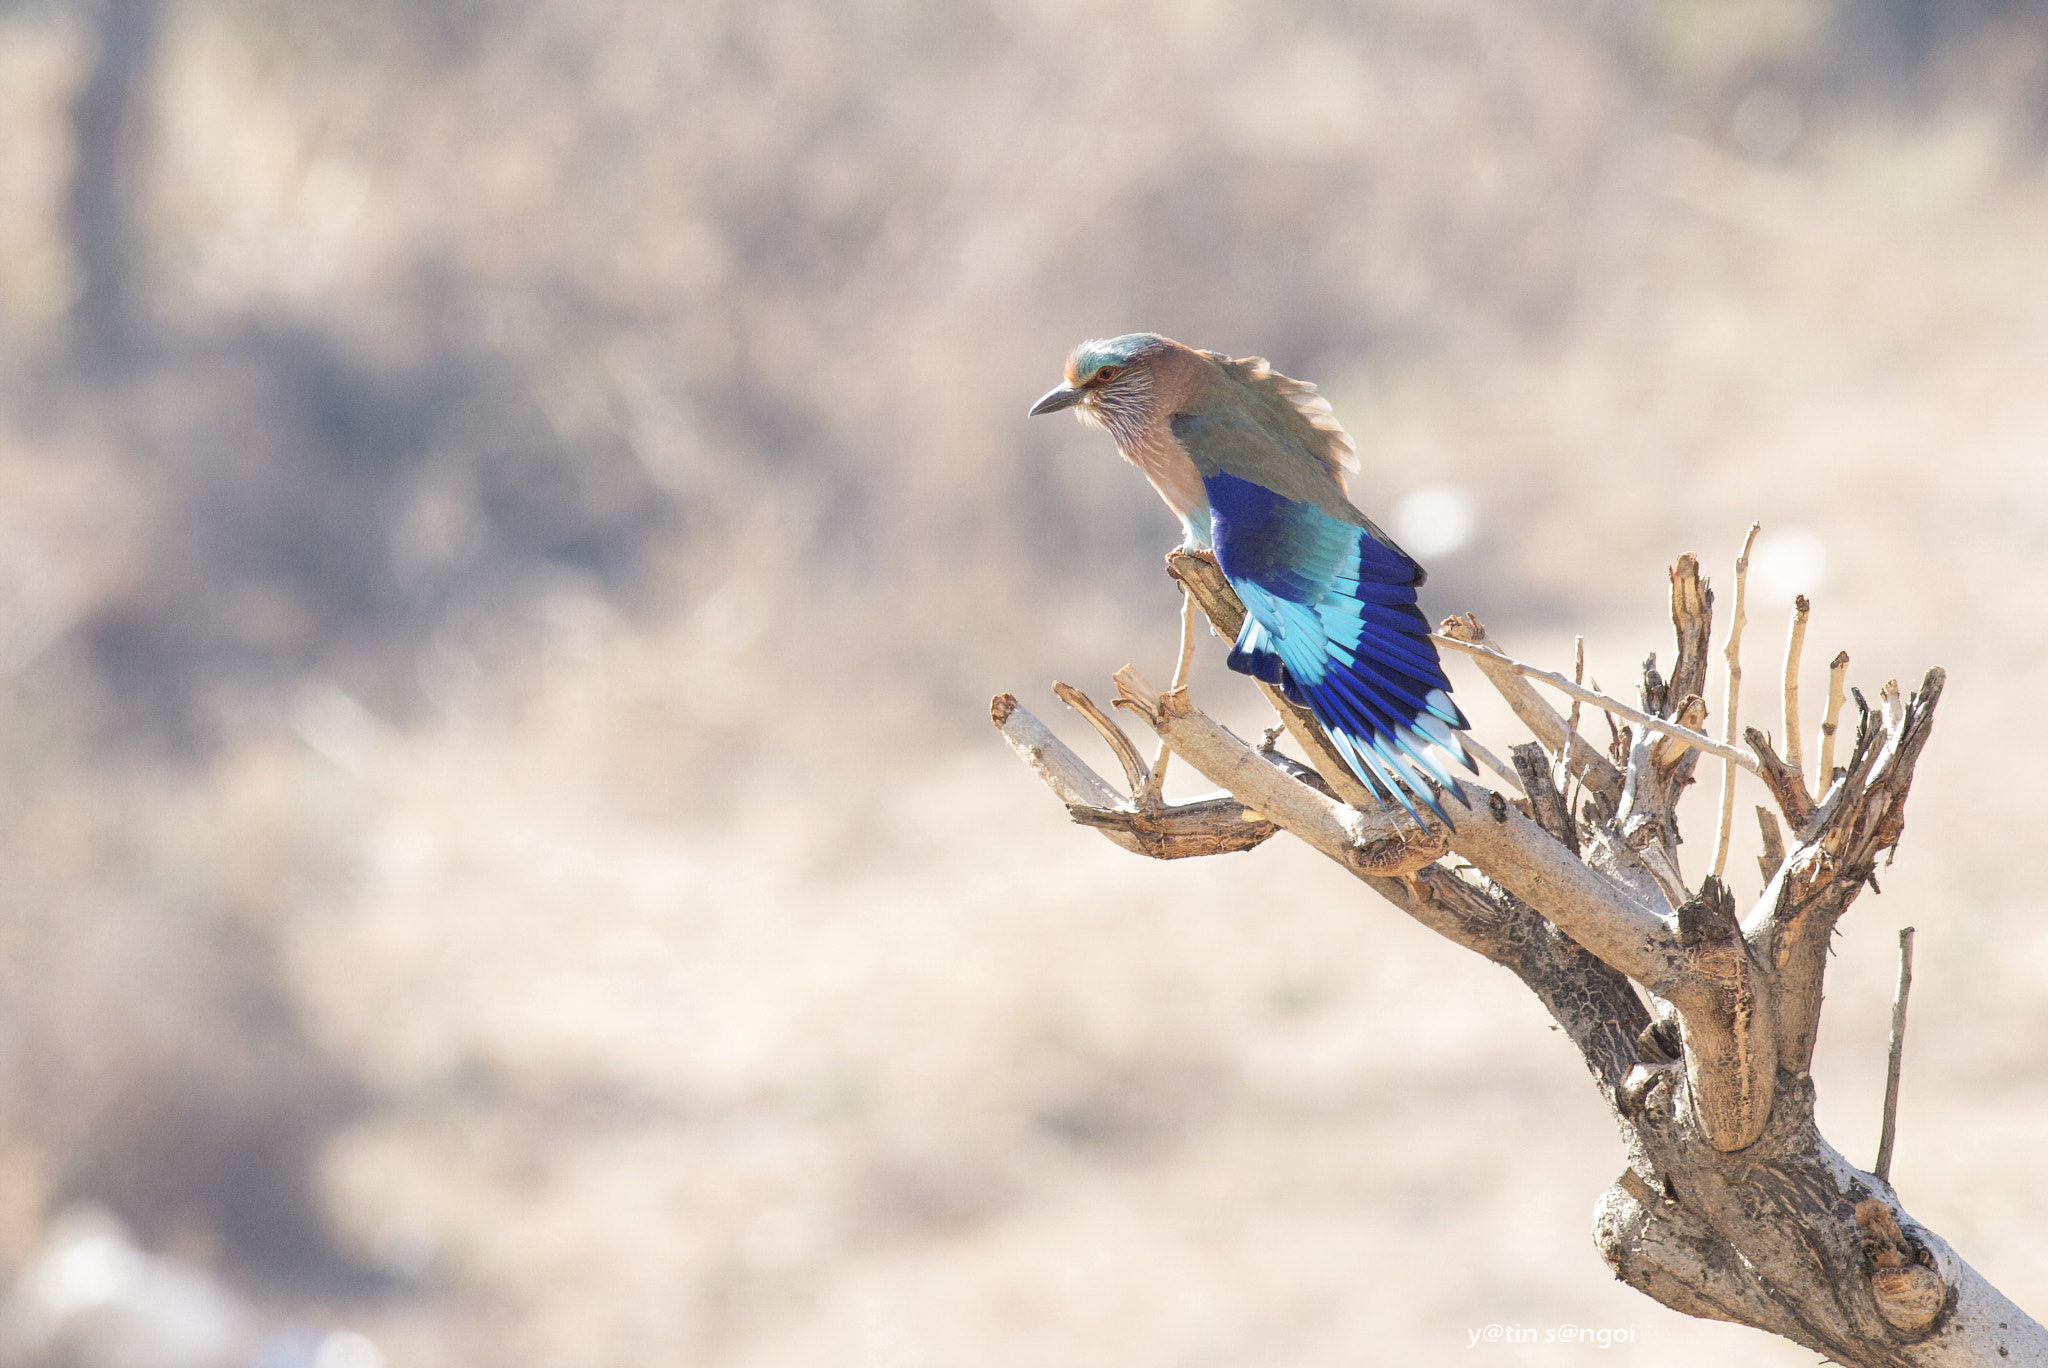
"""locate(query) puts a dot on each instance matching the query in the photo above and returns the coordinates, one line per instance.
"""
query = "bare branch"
(1155, 782)
(1571, 725)
(1514, 852)
(1181, 831)
(1598, 700)
(1135, 769)
(1212, 826)
(1838, 672)
(1591, 1001)
(1732, 699)
(1050, 758)
(1666, 1250)
(1594, 769)
(1773, 857)
(1691, 712)
(1883, 1167)
(1786, 784)
(1795, 639)
(1692, 615)
(1511, 777)
(1364, 842)
(1198, 573)
(1732, 1205)
(1908, 1293)
(1641, 824)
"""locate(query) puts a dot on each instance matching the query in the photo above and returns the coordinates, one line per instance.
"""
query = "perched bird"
(1253, 465)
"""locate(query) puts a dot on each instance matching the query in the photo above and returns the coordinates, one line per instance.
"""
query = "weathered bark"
(1731, 1205)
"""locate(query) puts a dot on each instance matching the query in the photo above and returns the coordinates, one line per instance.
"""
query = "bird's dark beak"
(1060, 398)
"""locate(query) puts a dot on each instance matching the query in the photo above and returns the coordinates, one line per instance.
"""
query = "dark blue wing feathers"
(1331, 620)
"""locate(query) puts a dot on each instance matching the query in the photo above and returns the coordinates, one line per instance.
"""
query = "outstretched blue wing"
(1331, 620)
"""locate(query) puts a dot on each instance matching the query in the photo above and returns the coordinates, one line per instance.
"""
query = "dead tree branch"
(1732, 1205)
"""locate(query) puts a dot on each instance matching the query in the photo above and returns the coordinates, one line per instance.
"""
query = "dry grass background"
(502, 564)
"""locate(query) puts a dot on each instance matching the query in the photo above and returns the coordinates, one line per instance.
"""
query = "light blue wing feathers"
(1331, 618)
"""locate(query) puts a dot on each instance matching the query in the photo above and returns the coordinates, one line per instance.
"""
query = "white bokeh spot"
(347, 1349)
(1787, 561)
(1435, 520)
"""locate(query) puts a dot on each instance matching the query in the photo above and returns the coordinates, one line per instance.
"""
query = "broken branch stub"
(1724, 1005)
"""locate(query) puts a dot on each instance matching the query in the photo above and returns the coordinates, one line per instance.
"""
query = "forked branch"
(1835, 856)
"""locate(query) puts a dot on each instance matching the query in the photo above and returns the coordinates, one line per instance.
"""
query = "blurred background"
(511, 512)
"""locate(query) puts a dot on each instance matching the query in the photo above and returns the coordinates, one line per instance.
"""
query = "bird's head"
(1109, 382)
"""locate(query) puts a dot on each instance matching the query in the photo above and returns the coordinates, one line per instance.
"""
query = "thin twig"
(1883, 1168)
(1149, 794)
(1733, 653)
(1545, 723)
(1795, 641)
(1187, 639)
(1612, 705)
(1126, 753)
(1493, 762)
(1571, 726)
(1838, 672)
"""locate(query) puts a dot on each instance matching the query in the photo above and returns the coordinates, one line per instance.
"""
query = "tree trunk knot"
(1397, 856)
(1709, 916)
(1633, 1096)
(1909, 1292)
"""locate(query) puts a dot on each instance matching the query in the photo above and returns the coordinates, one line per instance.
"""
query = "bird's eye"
(1106, 373)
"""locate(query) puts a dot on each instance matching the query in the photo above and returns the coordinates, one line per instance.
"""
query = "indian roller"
(1253, 465)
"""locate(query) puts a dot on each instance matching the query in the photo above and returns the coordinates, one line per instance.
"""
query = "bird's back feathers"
(1227, 438)
(1300, 410)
